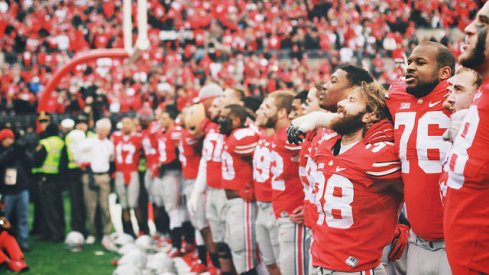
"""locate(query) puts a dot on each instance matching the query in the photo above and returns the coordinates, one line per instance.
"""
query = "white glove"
(200, 186)
(193, 202)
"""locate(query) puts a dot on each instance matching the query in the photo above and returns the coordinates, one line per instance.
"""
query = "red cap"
(6, 133)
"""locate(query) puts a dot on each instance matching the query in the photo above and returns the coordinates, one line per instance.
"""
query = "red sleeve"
(243, 142)
(385, 164)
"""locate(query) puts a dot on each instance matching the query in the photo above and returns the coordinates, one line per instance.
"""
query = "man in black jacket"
(15, 177)
(46, 163)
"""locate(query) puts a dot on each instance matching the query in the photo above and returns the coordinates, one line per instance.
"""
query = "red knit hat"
(6, 133)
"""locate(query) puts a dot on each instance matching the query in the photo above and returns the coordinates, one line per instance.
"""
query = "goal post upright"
(130, 52)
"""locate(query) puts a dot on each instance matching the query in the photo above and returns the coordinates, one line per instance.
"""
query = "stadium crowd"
(333, 174)
(258, 46)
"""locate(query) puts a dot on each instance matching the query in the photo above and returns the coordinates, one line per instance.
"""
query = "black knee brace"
(223, 251)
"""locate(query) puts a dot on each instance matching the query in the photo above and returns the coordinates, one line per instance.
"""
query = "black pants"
(143, 205)
(52, 208)
(35, 198)
(75, 188)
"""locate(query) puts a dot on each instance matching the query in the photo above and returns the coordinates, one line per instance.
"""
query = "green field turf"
(47, 258)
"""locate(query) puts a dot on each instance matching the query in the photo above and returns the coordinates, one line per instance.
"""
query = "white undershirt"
(344, 148)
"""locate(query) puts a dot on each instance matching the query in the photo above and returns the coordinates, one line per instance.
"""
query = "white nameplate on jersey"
(11, 176)
(351, 261)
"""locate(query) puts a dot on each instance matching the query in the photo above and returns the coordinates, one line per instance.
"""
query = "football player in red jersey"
(287, 194)
(461, 90)
(190, 152)
(359, 183)
(306, 165)
(466, 212)
(266, 223)
(167, 190)
(343, 81)
(150, 128)
(128, 144)
(420, 121)
(210, 170)
(209, 177)
(237, 180)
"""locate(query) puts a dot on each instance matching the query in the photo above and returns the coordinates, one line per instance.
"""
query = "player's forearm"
(314, 120)
(200, 181)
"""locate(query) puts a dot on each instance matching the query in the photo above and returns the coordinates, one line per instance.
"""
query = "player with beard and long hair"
(466, 213)
(359, 186)
(420, 122)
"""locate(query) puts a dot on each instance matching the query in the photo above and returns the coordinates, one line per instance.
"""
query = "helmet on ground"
(74, 241)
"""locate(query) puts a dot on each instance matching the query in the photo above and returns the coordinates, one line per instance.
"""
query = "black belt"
(101, 173)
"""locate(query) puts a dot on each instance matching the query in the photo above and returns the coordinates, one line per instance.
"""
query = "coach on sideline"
(100, 152)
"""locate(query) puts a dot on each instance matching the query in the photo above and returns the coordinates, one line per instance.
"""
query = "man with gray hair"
(99, 152)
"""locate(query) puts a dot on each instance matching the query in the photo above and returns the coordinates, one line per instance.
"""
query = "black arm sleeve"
(63, 162)
(39, 156)
(7, 156)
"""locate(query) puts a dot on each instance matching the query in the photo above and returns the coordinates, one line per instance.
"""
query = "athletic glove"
(306, 123)
(399, 243)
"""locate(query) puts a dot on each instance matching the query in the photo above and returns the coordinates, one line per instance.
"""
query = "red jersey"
(310, 212)
(150, 151)
(287, 192)
(261, 169)
(188, 155)
(167, 143)
(466, 211)
(304, 157)
(356, 219)
(419, 127)
(237, 172)
(211, 152)
(127, 152)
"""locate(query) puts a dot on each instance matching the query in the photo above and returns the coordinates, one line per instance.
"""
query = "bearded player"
(128, 147)
(466, 212)
(359, 186)
(416, 106)
(266, 223)
(287, 193)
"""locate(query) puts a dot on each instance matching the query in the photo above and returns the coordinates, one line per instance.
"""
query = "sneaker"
(173, 253)
(198, 267)
(90, 240)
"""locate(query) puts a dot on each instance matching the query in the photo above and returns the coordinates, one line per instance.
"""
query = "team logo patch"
(351, 261)
(405, 106)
